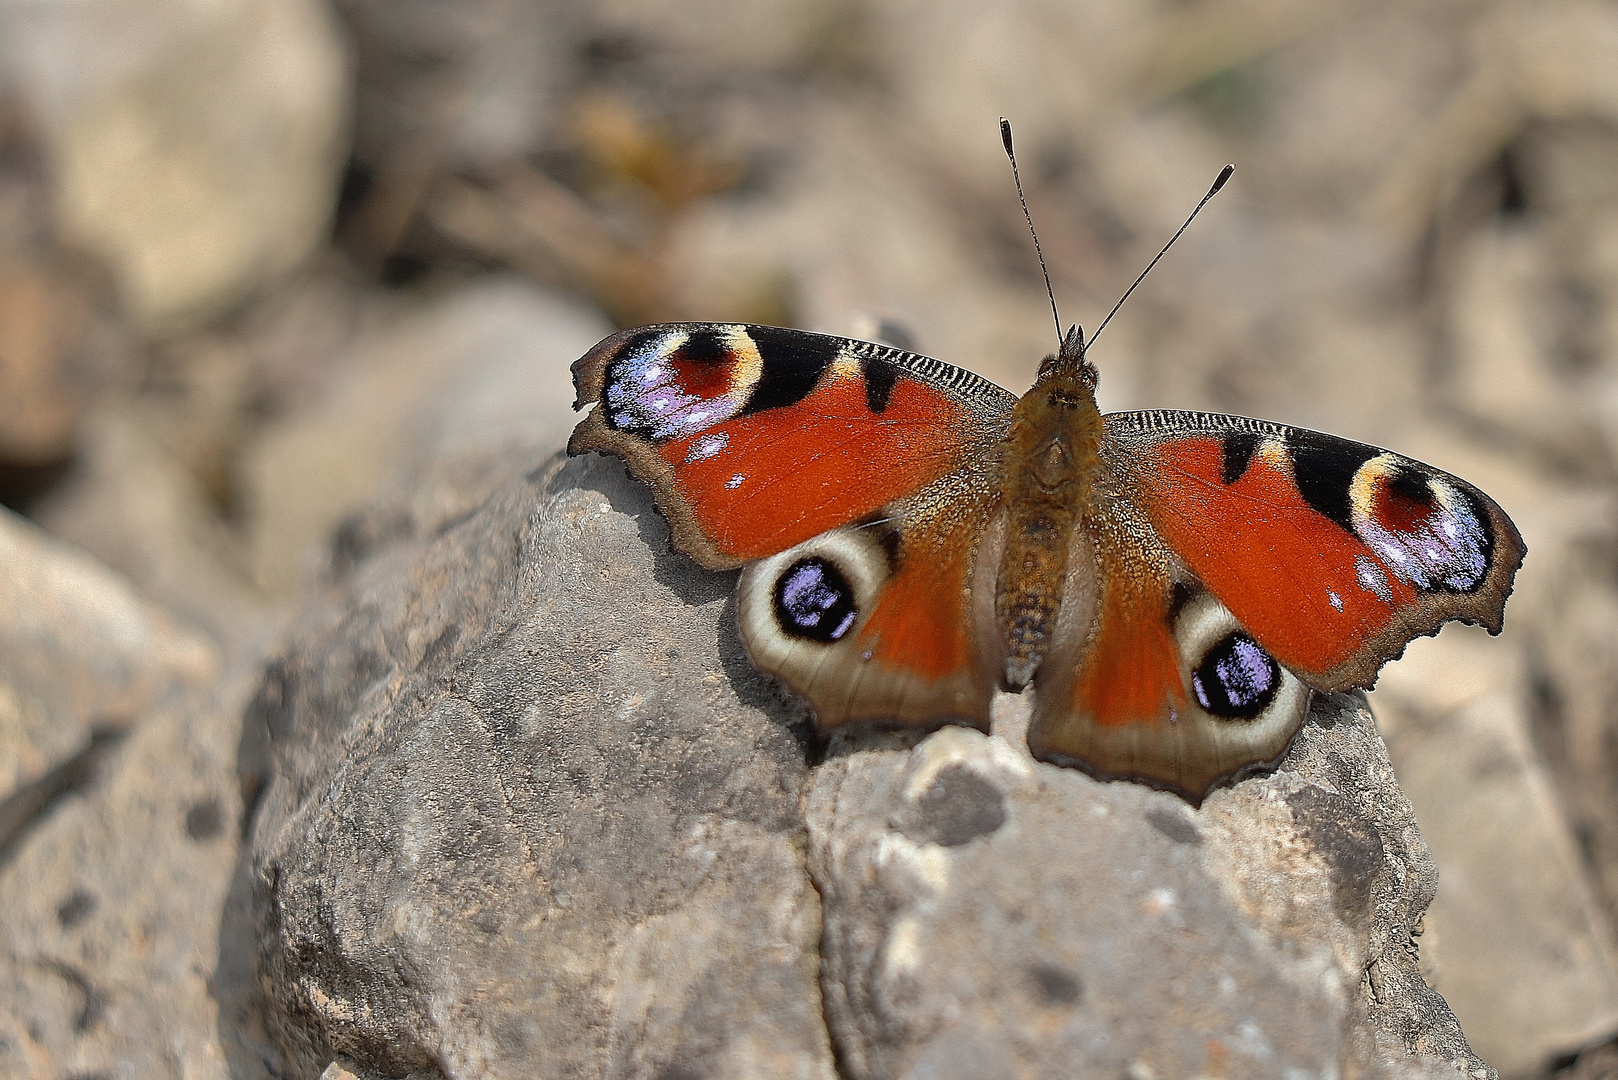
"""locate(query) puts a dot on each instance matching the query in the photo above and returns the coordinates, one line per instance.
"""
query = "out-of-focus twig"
(1546, 61)
(1199, 41)
(538, 226)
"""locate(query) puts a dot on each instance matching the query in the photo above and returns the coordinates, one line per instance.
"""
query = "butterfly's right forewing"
(1332, 553)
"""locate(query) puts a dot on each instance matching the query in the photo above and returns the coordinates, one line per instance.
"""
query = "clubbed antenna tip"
(1219, 182)
(1005, 140)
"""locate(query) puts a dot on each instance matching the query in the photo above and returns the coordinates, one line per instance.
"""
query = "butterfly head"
(1056, 432)
(1070, 366)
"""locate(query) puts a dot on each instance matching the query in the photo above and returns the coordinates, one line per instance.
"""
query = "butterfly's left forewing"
(857, 482)
(757, 438)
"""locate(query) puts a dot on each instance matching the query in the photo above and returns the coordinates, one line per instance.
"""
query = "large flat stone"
(81, 654)
(526, 808)
(119, 823)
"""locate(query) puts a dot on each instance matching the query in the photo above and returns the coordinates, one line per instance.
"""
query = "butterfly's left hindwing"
(1331, 553)
(857, 482)
(756, 438)
(891, 621)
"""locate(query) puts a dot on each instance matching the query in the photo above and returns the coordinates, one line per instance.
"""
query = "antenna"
(1219, 182)
(1005, 138)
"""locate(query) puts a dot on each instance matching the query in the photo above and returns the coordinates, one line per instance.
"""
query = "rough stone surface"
(114, 861)
(526, 806)
(990, 916)
(503, 831)
(81, 654)
(109, 944)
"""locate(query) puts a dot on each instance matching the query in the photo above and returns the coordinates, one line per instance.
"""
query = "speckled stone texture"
(519, 819)
(524, 809)
(118, 821)
(990, 916)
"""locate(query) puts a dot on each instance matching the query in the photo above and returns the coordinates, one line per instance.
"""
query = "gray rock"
(196, 148)
(527, 809)
(987, 915)
(109, 945)
(504, 831)
(114, 860)
(81, 653)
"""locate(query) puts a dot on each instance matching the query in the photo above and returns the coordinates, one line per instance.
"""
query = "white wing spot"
(1372, 579)
(735, 481)
(1336, 601)
(708, 446)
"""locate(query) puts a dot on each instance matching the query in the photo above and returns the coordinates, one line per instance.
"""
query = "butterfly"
(1173, 586)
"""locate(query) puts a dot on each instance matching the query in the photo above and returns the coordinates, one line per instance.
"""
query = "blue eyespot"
(1236, 680)
(814, 601)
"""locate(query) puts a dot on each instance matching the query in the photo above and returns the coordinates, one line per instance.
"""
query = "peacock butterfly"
(1173, 585)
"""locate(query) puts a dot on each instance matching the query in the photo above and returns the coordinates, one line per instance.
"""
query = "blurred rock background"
(260, 259)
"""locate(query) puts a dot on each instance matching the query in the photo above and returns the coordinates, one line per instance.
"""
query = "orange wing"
(1149, 676)
(1332, 553)
(756, 438)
